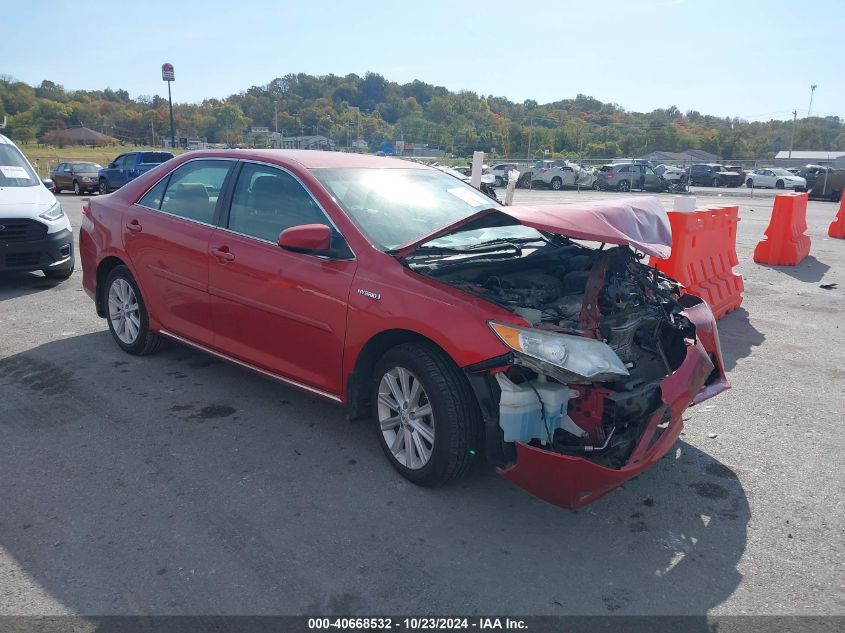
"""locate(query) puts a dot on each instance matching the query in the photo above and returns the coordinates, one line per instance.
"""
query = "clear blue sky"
(753, 59)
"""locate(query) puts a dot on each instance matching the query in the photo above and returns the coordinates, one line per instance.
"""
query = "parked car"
(500, 172)
(79, 176)
(827, 183)
(457, 326)
(127, 167)
(810, 173)
(628, 176)
(795, 171)
(776, 178)
(713, 175)
(35, 234)
(559, 174)
(672, 174)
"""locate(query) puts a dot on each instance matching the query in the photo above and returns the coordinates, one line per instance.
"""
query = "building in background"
(682, 158)
(801, 158)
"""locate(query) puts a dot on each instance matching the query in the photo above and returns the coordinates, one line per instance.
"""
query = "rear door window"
(192, 191)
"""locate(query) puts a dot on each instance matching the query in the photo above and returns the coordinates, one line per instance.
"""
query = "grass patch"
(48, 157)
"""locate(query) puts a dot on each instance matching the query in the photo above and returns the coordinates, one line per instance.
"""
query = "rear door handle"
(134, 226)
(223, 254)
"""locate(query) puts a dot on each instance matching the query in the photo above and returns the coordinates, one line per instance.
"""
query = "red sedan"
(532, 336)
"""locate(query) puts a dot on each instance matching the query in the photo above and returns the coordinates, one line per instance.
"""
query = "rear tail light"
(610, 174)
(86, 208)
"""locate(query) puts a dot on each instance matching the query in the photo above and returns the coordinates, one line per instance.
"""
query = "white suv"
(35, 234)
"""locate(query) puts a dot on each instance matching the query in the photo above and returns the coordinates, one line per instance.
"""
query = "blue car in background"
(127, 167)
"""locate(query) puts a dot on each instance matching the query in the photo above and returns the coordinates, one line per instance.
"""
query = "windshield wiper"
(513, 241)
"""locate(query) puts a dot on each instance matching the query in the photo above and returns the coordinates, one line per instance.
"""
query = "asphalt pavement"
(180, 484)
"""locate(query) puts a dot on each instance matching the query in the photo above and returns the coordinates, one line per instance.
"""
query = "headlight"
(53, 213)
(584, 358)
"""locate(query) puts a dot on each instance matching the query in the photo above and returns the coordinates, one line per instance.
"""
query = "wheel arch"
(357, 382)
(103, 269)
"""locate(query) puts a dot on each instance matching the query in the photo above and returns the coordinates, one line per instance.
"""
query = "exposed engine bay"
(606, 295)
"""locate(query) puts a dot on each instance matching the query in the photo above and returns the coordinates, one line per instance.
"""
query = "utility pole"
(792, 138)
(812, 91)
(276, 115)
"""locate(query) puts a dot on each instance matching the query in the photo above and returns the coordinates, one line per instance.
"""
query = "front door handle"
(134, 226)
(223, 254)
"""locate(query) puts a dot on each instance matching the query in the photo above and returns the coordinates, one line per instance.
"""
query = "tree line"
(381, 111)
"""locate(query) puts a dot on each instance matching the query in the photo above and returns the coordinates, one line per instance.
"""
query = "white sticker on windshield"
(472, 199)
(14, 171)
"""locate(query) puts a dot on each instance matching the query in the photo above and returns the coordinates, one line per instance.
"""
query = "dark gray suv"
(627, 176)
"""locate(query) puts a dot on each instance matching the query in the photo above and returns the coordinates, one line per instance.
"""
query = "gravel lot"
(179, 484)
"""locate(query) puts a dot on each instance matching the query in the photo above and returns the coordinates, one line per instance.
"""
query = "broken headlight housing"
(581, 359)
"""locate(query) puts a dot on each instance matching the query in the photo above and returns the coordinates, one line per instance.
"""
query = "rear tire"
(127, 316)
(557, 184)
(447, 435)
(716, 182)
(623, 186)
(499, 181)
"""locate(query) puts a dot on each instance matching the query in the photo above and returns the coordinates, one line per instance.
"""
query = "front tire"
(127, 315)
(104, 186)
(76, 188)
(499, 181)
(623, 186)
(426, 417)
(779, 185)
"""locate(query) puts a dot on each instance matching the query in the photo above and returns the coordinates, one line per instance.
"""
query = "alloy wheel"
(405, 418)
(124, 312)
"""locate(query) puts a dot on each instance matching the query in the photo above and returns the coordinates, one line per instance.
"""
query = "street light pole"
(812, 91)
(792, 137)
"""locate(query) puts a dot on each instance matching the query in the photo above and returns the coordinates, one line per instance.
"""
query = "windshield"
(781, 172)
(81, 168)
(15, 170)
(395, 206)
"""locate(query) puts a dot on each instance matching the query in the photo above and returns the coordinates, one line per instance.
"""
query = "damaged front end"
(610, 354)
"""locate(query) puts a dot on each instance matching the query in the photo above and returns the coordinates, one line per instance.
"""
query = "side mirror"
(47, 182)
(306, 238)
(111, 165)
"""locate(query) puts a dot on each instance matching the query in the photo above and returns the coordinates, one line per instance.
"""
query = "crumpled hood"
(640, 222)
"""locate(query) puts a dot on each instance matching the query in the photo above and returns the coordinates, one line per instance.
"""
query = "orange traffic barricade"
(785, 243)
(704, 254)
(837, 227)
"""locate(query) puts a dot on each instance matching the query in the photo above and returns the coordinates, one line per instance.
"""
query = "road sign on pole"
(168, 75)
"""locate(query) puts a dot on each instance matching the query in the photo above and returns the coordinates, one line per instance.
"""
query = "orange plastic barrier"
(837, 227)
(704, 254)
(785, 243)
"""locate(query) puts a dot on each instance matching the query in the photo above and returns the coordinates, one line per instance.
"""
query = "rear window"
(155, 157)
(606, 168)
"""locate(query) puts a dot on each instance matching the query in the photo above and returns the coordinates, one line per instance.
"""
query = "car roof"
(5, 140)
(312, 159)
